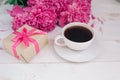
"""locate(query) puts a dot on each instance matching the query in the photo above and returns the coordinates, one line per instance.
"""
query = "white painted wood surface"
(49, 66)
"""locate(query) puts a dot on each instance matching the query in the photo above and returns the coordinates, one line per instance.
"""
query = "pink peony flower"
(35, 16)
(47, 20)
(18, 21)
(27, 9)
(57, 5)
(60, 6)
(31, 2)
(77, 11)
(16, 10)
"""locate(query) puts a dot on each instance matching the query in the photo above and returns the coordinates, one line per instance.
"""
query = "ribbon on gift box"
(25, 37)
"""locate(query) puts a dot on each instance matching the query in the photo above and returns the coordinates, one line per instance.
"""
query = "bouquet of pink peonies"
(45, 14)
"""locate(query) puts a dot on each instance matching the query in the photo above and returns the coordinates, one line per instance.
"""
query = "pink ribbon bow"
(24, 37)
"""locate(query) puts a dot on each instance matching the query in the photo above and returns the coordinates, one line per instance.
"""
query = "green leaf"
(9, 1)
(22, 3)
(25, 2)
(16, 2)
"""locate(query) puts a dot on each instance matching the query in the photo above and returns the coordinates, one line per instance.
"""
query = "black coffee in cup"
(78, 34)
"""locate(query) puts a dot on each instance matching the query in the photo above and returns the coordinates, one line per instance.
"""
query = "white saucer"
(79, 56)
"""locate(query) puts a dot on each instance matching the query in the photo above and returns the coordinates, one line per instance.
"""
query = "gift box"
(25, 42)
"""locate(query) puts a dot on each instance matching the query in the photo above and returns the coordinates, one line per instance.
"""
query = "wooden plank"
(62, 71)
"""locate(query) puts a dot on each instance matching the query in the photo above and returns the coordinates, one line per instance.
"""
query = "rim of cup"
(81, 25)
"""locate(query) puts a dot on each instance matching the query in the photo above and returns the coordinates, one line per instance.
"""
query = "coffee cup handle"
(57, 42)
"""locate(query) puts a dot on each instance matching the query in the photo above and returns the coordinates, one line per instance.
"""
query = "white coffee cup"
(73, 44)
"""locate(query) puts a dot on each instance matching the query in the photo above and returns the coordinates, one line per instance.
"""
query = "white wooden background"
(49, 66)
